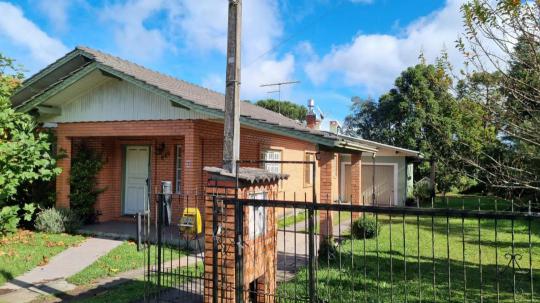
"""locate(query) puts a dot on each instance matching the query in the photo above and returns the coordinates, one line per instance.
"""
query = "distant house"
(151, 127)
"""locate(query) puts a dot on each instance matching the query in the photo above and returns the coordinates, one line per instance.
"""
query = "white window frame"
(272, 155)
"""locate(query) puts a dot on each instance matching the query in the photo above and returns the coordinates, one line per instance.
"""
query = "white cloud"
(133, 38)
(57, 12)
(204, 27)
(23, 32)
(374, 61)
(201, 27)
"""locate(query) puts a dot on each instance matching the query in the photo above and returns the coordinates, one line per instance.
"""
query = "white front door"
(136, 179)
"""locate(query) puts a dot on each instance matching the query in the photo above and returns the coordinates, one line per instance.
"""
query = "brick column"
(62, 180)
(356, 181)
(328, 187)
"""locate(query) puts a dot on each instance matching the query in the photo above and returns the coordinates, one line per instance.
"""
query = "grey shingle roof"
(249, 174)
(195, 93)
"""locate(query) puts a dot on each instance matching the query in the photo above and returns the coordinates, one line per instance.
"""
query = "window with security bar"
(271, 155)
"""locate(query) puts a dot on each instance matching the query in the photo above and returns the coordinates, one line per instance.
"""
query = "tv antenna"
(279, 84)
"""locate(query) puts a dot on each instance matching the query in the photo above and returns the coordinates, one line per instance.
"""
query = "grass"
(138, 289)
(402, 261)
(292, 219)
(25, 250)
(301, 217)
(123, 258)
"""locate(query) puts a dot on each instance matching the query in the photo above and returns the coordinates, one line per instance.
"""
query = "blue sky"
(336, 48)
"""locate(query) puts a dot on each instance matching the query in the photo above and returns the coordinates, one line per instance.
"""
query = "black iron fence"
(463, 249)
(174, 249)
(452, 250)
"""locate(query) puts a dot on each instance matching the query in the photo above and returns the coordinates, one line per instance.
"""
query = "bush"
(365, 227)
(328, 250)
(9, 219)
(410, 201)
(10, 216)
(57, 221)
(85, 166)
(422, 190)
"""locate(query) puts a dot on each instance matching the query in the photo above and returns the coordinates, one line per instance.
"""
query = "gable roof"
(82, 60)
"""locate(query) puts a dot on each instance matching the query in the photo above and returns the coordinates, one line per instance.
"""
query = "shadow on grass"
(387, 277)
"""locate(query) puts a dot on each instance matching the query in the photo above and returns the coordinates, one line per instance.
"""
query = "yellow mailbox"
(191, 222)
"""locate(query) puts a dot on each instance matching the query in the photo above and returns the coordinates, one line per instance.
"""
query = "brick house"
(151, 127)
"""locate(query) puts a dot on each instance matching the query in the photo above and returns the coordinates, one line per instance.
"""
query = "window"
(178, 169)
(272, 155)
(308, 169)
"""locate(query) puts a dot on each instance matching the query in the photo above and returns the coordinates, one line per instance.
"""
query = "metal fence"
(447, 251)
(174, 256)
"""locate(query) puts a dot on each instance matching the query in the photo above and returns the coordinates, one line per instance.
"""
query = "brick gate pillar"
(259, 249)
(356, 181)
(328, 185)
(62, 180)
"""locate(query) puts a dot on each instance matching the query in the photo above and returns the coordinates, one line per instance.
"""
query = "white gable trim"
(120, 101)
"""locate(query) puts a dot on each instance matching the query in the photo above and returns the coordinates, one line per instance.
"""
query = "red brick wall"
(202, 146)
(258, 266)
(356, 181)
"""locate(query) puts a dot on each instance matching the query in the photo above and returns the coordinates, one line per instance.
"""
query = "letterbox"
(191, 222)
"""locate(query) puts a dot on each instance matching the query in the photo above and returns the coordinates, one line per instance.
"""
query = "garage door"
(384, 184)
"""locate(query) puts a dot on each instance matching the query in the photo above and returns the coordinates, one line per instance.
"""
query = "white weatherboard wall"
(117, 100)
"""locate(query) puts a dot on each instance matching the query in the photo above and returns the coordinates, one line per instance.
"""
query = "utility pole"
(231, 132)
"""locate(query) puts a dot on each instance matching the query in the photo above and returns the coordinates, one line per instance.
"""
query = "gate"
(173, 248)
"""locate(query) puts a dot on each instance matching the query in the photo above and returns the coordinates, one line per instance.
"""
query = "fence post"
(311, 233)
(239, 254)
(139, 231)
(215, 227)
(159, 243)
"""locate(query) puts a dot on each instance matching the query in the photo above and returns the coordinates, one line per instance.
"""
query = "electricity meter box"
(191, 221)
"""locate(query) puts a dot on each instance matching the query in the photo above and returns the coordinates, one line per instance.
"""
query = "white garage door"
(384, 184)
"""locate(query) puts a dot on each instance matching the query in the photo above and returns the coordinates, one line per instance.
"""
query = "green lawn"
(292, 219)
(137, 289)
(25, 250)
(352, 275)
(123, 258)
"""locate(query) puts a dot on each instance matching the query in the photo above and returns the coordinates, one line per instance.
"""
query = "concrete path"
(50, 278)
(103, 285)
(292, 248)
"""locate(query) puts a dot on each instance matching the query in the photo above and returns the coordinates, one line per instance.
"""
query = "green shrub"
(410, 201)
(422, 190)
(9, 219)
(365, 227)
(56, 221)
(328, 250)
(85, 166)
(10, 216)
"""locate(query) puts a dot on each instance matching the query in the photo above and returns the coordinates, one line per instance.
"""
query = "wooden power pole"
(231, 132)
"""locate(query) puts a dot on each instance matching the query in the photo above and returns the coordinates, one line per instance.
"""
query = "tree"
(502, 38)
(421, 113)
(25, 154)
(286, 108)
